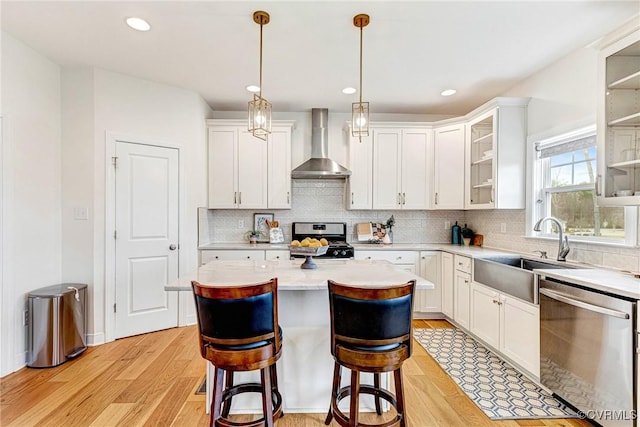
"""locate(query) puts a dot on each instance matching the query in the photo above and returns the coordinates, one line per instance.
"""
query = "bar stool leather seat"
(239, 331)
(370, 332)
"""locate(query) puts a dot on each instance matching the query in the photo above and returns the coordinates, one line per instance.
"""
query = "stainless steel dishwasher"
(588, 351)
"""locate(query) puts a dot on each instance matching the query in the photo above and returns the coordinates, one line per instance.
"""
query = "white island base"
(305, 369)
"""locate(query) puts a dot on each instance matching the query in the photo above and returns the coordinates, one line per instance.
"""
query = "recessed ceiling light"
(253, 88)
(138, 24)
(448, 92)
(349, 90)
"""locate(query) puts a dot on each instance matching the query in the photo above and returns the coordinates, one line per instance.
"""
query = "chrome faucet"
(563, 244)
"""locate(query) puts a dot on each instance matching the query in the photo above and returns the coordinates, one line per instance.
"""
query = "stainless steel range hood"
(320, 166)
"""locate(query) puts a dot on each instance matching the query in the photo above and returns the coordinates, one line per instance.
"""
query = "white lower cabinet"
(230, 255)
(447, 279)
(276, 255)
(507, 324)
(430, 300)
(461, 290)
(405, 260)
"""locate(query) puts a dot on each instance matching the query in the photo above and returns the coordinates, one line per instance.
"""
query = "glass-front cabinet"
(495, 155)
(481, 163)
(619, 123)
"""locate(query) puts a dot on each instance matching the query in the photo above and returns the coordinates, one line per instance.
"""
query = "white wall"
(147, 110)
(77, 178)
(563, 98)
(31, 187)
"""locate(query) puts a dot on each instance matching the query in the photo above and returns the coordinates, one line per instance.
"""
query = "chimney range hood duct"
(320, 166)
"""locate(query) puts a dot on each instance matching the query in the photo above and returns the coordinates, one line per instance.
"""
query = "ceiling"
(412, 50)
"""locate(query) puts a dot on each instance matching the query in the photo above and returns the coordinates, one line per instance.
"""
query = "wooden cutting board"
(364, 231)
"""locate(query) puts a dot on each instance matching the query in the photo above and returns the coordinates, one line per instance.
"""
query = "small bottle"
(456, 237)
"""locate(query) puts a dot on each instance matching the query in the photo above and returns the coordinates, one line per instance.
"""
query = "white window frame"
(539, 208)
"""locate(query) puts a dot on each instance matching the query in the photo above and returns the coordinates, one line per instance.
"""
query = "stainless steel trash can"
(57, 324)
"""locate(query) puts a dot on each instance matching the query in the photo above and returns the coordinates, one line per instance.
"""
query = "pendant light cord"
(261, 59)
(361, 66)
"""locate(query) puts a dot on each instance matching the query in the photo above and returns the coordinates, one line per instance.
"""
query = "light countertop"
(602, 279)
(364, 273)
(599, 279)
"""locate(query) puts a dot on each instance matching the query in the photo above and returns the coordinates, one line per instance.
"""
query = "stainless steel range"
(334, 232)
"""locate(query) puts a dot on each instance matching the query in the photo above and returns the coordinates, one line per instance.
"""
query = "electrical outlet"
(503, 227)
(447, 225)
(241, 223)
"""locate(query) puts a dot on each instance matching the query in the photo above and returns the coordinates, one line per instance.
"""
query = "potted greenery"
(388, 235)
(252, 235)
(467, 235)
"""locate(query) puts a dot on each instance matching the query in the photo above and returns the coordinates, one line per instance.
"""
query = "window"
(566, 169)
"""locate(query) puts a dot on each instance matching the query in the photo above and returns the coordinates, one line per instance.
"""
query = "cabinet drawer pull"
(248, 256)
(217, 257)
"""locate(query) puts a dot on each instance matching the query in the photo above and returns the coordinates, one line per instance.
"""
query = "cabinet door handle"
(399, 199)
(598, 191)
(288, 198)
(352, 197)
(493, 195)
(403, 199)
(240, 197)
(235, 197)
(436, 198)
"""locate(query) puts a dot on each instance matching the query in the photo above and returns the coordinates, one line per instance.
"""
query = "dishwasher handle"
(569, 299)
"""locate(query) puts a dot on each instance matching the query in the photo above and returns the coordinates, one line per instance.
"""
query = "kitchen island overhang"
(306, 366)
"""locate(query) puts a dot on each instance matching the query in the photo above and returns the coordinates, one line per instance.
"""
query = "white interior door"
(146, 197)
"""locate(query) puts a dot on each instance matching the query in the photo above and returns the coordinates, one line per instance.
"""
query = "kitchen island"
(306, 367)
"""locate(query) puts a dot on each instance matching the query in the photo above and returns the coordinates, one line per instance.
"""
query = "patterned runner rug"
(497, 388)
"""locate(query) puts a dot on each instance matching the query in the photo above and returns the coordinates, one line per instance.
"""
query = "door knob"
(172, 247)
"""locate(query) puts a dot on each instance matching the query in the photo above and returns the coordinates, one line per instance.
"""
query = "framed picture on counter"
(260, 224)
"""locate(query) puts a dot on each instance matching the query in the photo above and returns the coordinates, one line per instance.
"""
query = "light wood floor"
(151, 380)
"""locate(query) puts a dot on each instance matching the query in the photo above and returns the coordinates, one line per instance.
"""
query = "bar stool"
(239, 331)
(370, 332)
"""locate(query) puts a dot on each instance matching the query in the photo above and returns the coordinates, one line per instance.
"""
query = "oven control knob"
(336, 252)
(343, 253)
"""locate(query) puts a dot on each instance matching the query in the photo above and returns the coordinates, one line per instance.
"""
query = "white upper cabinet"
(401, 172)
(618, 125)
(246, 172)
(496, 155)
(448, 166)
(279, 169)
(360, 191)
(223, 167)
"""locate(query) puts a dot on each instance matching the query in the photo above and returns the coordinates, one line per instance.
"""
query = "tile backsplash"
(513, 239)
(324, 200)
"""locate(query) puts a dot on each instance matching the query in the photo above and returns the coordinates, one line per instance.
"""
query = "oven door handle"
(559, 296)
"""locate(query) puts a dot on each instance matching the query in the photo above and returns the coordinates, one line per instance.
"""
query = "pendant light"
(360, 110)
(260, 108)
